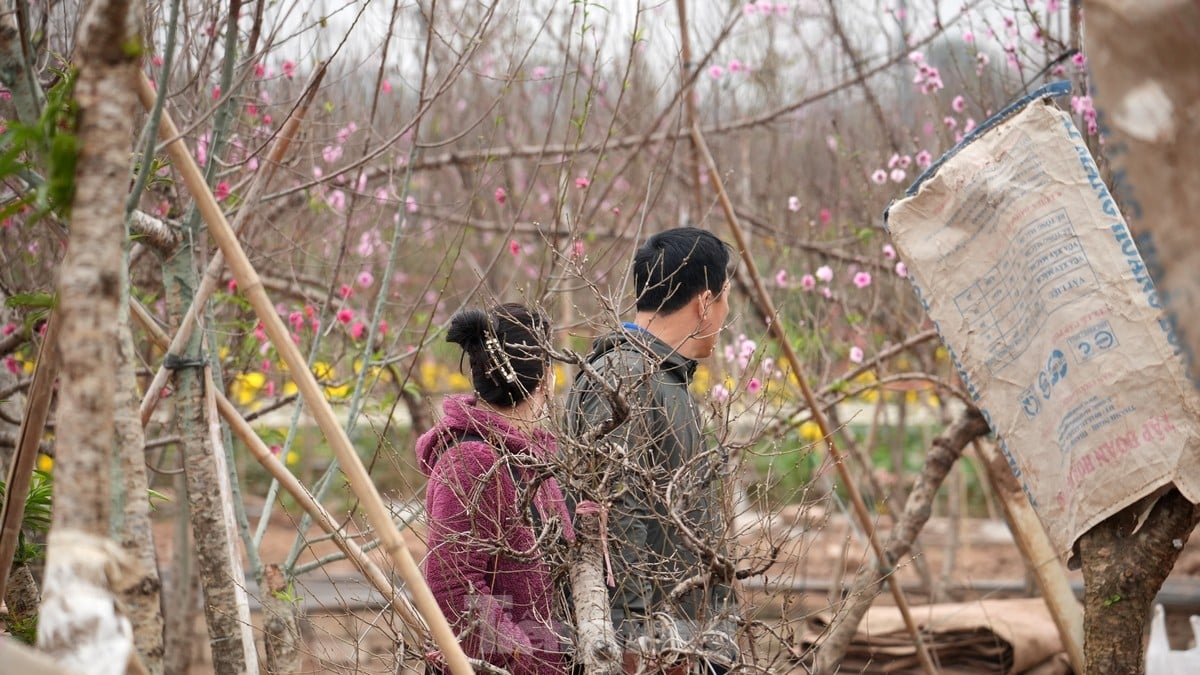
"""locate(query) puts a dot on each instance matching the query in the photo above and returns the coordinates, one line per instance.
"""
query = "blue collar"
(631, 326)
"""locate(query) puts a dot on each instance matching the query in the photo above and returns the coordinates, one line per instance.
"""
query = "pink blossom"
(753, 386)
(357, 329)
(825, 215)
(365, 279)
(735, 66)
(386, 86)
(898, 175)
(856, 354)
(904, 161)
(514, 247)
(901, 269)
(1079, 60)
(969, 126)
(336, 200)
(719, 393)
(862, 279)
(781, 278)
(1052, 6)
(222, 191)
(750, 9)
(296, 319)
(807, 282)
(959, 104)
(968, 37)
(345, 316)
(793, 203)
(916, 57)
(893, 160)
(716, 71)
(383, 328)
(9, 329)
(577, 250)
(924, 159)
(289, 69)
(270, 385)
(582, 182)
(825, 273)
(260, 333)
(410, 204)
(216, 92)
(345, 291)
(950, 123)
(232, 286)
(12, 365)
(879, 177)
(501, 195)
(888, 251)
(259, 70)
(825, 291)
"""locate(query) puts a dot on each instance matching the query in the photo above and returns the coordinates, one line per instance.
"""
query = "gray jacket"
(673, 476)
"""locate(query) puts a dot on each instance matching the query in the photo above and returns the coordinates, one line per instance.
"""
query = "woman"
(485, 565)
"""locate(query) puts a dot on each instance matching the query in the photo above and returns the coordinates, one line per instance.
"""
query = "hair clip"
(499, 359)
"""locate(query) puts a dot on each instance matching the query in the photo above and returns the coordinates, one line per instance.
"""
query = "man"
(672, 590)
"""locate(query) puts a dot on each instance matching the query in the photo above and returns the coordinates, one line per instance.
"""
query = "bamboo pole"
(763, 298)
(360, 481)
(1035, 545)
(212, 273)
(33, 425)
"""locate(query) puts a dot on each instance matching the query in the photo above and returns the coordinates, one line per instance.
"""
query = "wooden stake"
(251, 286)
(33, 425)
(1035, 545)
(763, 298)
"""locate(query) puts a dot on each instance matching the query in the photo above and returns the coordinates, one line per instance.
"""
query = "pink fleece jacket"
(487, 576)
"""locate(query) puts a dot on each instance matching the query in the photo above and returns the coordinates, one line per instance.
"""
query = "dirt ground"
(819, 555)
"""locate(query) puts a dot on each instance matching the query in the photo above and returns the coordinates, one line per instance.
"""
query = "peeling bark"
(1123, 571)
(22, 597)
(596, 639)
(280, 623)
(946, 450)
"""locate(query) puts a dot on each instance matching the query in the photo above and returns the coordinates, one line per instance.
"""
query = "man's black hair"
(672, 267)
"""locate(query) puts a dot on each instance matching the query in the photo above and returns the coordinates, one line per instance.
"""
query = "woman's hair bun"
(468, 329)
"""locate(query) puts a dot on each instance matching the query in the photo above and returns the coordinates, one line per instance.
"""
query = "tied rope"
(591, 508)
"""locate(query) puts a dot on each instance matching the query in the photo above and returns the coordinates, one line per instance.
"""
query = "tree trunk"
(1123, 570)
(81, 623)
(141, 598)
(279, 623)
(218, 566)
(179, 608)
(596, 639)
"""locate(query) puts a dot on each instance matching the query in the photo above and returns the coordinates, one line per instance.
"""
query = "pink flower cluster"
(927, 79)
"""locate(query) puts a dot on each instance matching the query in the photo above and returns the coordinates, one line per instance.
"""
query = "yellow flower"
(223, 353)
(702, 379)
(322, 370)
(341, 391)
(28, 367)
(427, 375)
(290, 388)
(45, 462)
(810, 431)
(941, 354)
(911, 396)
(246, 386)
(560, 377)
(292, 458)
(458, 382)
(934, 400)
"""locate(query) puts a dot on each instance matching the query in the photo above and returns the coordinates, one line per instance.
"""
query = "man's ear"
(702, 303)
